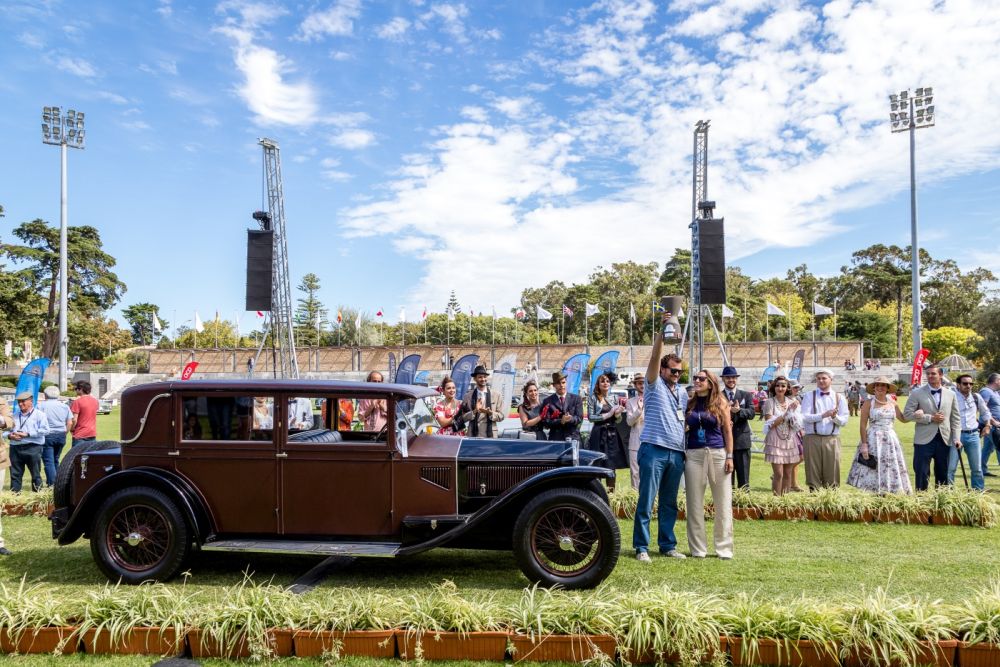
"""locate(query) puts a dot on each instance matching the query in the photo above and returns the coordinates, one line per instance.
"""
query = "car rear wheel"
(566, 537)
(139, 535)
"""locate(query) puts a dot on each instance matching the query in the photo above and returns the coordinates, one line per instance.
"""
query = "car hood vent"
(437, 475)
(491, 480)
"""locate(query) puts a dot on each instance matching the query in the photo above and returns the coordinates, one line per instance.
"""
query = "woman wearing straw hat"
(879, 466)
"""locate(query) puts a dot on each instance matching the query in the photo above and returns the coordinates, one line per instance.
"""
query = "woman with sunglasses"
(782, 421)
(879, 466)
(709, 461)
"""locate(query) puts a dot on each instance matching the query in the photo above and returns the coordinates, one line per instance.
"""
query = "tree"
(884, 272)
(20, 306)
(951, 297)
(987, 322)
(868, 325)
(309, 312)
(93, 286)
(95, 337)
(453, 305)
(806, 284)
(217, 332)
(676, 277)
(140, 318)
(951, 340)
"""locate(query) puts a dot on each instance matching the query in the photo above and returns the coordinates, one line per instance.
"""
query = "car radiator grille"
(492, 480)
(437, 475)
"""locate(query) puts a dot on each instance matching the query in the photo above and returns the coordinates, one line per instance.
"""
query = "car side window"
(214, 417)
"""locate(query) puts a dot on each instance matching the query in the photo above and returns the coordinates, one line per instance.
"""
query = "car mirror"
(401, 443)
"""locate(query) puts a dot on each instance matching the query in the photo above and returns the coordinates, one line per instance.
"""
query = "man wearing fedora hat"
(824, 413)
(562, 412)
(477, 408)
(741, 411)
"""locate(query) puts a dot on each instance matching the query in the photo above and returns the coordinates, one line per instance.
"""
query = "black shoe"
(990, 474)
(4, 551)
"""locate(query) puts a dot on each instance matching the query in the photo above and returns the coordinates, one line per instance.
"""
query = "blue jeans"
(54, 443)
(991, 443)
(660, 470)
(970, 444)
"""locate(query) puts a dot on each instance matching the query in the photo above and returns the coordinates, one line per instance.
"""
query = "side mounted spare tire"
(61, 491)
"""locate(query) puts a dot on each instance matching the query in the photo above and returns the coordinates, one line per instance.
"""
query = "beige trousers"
(822, 454)
(633, 464)
(701, 467)
(3, 474)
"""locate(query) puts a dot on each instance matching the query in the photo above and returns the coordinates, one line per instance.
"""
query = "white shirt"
(970, 408)
(814, 404)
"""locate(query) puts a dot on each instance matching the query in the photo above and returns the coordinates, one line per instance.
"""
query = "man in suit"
(562, 412)
(938, 428)
(741, 411)
(478, 410)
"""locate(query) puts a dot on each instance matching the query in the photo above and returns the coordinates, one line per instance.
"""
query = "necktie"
(729, 395)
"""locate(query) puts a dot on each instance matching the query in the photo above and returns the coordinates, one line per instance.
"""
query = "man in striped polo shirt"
(661, 451)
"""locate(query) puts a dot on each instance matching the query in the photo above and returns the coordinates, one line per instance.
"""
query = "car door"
(335, 481)
(225, 448)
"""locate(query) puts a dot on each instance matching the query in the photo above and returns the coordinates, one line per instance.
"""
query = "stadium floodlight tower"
(66, 132)
(908, 113)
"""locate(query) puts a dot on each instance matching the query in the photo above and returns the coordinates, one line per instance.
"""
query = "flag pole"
(562, 336)
(609, 323)
(814, 317)
(835, 319)
(789, 319)
(744, 318)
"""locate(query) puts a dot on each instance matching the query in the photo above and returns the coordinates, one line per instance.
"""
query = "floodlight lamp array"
(916, 111)
(59, 129)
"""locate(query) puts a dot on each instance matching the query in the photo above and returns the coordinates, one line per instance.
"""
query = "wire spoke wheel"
(138, 537)
(566, 541)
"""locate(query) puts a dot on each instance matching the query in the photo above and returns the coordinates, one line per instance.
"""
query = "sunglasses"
(965, 384)
(674, 371)
(700, 378)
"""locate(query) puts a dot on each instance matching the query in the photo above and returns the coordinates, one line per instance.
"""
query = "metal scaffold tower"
(695, 324)
(279, 320)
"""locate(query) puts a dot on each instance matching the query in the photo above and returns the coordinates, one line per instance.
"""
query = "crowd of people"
(36, 435)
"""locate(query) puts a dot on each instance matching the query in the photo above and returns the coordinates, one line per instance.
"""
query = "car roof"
(288, 386)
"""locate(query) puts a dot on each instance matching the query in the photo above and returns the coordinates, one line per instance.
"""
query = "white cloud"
(394, 30)
(108, 96)
(341, 56)
(265, 90)
(337, 20)
(31, 40)
(165, 9)
(135, 125)
(798, 103)
(76, 66)
(353, 139)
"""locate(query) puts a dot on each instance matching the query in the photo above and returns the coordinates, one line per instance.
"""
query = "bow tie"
(824, 393)
(935, 391)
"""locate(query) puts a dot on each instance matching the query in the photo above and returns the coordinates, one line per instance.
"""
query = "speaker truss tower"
(279, 320)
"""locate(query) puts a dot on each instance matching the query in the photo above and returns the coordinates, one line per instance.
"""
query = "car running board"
(370, 549)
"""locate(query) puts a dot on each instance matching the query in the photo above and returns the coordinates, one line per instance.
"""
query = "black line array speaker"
(712, 264)
(260, 253)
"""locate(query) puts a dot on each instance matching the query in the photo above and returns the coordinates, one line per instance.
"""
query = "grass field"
(780, 559)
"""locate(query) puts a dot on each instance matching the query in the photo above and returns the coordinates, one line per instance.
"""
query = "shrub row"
(654, 625)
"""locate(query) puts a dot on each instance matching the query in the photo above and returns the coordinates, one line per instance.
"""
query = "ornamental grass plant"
(116, 610)
(668, 624)
(246, 613)
(444, 609)
(978, 618)
(30, 607)
(884, 630)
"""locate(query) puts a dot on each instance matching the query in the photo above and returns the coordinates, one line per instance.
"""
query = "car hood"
(526, 451)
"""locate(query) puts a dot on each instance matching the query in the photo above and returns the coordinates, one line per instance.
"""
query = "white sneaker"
(674, 553)
(643, 557)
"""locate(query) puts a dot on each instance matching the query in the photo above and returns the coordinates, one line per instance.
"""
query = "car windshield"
(418, 413)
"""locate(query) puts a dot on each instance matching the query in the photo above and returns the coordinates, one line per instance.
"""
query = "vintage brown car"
(286, 466)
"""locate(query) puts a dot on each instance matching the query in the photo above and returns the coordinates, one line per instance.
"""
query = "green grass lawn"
(779, 559)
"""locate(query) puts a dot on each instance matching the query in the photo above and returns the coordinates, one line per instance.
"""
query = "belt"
(970, 430)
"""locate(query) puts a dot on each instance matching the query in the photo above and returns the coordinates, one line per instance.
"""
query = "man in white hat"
(26, 441)
(824, 413)
(60, 421)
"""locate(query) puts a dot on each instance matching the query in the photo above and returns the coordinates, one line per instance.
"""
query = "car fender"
(176, 487)
(584, 477)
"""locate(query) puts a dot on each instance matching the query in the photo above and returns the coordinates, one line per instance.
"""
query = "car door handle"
(281, 455)
(176, 452)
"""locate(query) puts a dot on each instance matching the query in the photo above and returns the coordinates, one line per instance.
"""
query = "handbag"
(870, 462)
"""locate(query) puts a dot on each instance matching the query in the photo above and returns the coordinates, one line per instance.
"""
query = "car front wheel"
(566, 537)
(139, 535)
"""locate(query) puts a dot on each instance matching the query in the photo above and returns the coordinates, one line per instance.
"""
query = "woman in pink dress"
(447, 409)
(782, 421)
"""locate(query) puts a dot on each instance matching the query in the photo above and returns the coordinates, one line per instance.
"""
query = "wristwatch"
(729, 457)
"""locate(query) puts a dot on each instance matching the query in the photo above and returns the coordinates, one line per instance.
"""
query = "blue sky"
(486, 146)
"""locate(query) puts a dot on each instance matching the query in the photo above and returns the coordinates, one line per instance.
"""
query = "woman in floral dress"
(879, 440)
(782, 421)
(447, 409)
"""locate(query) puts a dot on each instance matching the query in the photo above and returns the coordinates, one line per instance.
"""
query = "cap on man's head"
(823, 371)
(558, 377)
(52, 391)
(729, 372)
(24, 395)
(639, 376)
